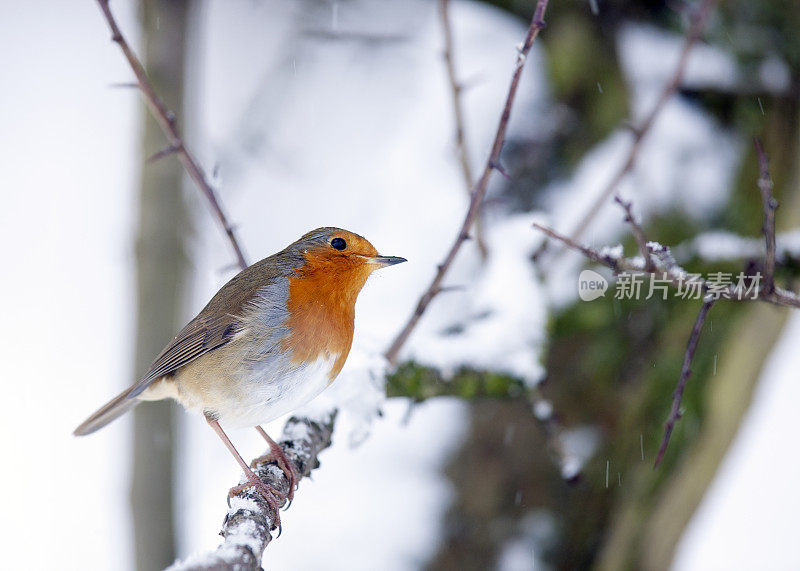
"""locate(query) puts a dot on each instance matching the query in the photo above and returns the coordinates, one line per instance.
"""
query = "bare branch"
(673, 273)
(166, 120)
(770, 204)
(691, 347)
(248, 524)
(676, 276)
(478, 191)
(640, 132)
(163, 152)
(455, 90)
(590, 253)
(638, 233)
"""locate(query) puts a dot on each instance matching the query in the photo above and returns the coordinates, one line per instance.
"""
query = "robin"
(274, 337)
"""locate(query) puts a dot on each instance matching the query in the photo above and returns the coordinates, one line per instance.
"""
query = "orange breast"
(321, 306)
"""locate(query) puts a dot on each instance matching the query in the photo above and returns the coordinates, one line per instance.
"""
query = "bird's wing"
(215, 325)
(199, 337)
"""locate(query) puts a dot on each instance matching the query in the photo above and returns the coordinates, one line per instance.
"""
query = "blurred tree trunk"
(161, 279)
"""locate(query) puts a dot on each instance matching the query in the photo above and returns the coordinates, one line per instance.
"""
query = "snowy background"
(374, 155)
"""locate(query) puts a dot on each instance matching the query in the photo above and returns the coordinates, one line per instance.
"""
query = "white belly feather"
(266, 398)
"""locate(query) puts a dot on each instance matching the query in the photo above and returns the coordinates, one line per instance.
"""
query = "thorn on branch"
(499, 168)
(166, 151)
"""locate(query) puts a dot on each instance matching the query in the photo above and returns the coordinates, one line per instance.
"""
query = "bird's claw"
(286, 467)
(271, 496)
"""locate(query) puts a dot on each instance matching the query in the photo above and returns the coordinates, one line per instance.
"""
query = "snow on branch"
(478, 191)
(657, 260)
(668, 269)
(249, 521)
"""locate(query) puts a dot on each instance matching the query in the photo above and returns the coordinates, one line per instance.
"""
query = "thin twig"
(640, 132)
(686, 371)
(590, 253)
(168, 124)
(638, 233)
(456, 88)
(676, 276)
(479, 190)
(770, 204)
(673, 274)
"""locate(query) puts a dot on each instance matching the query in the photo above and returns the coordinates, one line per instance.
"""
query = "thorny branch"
(249, 521)
(657, 259)
(665, 266)
(640, 132)
(456, 87)
(168, 124)
(478, 191)
(686, 371)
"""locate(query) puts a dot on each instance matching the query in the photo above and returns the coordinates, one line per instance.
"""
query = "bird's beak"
(384, 261)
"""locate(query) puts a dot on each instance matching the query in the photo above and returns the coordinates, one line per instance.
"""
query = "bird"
(270, 340)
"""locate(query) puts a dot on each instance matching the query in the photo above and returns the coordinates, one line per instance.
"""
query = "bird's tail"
(113, 409)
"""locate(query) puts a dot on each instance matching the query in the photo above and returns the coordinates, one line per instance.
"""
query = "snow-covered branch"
(658, 262)
(666, 268)
(249, 521)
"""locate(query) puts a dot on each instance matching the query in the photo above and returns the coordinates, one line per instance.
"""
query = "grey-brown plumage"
(271, 339)
(213, 327)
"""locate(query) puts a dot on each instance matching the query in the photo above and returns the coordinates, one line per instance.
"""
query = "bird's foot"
(277, 455)
(267, 492)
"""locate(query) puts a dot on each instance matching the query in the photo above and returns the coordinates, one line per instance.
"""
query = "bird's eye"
(339, 243)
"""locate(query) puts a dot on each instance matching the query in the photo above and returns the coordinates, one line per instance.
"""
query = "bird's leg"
(270, 496)
(276, 453)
